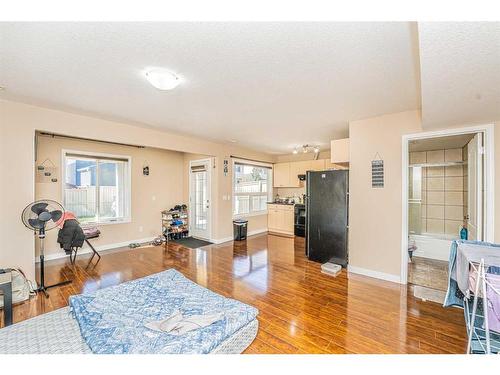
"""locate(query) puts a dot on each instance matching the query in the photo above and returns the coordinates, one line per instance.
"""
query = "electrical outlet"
(141, 228)
(153, 197)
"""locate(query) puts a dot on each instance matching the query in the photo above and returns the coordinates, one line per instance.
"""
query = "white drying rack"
(481, 338)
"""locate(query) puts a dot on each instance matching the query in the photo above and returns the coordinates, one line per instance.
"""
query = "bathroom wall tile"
(454, 154)
(435, 197)
(435, 156)
(417, 157)
(423, 211)
(435, 226)
(424, 197)
(454, 170)
(435, 171)
(452, 227)
(454, 183)
(454, 213)
(436, 183)
(424, 226)
(454, 198)
(435, 212)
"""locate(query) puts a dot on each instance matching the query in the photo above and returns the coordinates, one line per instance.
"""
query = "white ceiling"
(460, 70)
(270, 86)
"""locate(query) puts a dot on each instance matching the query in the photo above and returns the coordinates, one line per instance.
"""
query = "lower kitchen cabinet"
(280, 219)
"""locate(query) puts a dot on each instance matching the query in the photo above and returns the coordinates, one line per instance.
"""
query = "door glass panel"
(200, 200)
(415, 200)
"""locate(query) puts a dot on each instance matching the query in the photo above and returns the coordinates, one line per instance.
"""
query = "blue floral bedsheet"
(112, 319)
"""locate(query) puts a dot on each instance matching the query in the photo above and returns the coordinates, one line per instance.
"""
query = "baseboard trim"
(374, 274)
(59, 253)
(229, 239)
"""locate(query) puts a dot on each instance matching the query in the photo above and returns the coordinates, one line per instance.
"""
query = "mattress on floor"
(57, 332)
(112, 320)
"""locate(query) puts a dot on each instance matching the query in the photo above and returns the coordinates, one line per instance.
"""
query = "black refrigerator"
(327, 202)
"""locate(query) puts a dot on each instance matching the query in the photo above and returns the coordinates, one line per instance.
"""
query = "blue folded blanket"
(112, 320)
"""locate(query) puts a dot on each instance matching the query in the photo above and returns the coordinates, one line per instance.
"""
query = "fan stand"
(43, 288)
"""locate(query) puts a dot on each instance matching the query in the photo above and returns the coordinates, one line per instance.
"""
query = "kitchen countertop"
(282, 203)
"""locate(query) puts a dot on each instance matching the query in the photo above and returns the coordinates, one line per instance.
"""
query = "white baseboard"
(59, 253)
(374, 274)
(229, 239)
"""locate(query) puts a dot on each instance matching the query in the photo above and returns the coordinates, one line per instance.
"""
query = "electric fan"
(41, 216)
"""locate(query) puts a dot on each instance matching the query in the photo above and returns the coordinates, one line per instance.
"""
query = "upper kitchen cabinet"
(296, 168)
(281, 175)
(317, 165)
(340, 151)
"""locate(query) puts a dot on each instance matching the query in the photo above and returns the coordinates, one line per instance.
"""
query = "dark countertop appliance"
(300, 220)
(327, 203)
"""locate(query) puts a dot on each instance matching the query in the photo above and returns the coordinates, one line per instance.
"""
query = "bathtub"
(432, 246)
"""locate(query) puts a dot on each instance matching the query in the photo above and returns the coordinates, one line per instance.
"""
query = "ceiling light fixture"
(162, 79)
(306, 148)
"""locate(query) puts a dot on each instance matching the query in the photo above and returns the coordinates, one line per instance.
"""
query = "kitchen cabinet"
(280, 219)
(317, 165)
(296, 168)
(281, 175)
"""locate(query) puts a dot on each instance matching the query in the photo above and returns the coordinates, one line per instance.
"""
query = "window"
(252, 188)
(97, 187)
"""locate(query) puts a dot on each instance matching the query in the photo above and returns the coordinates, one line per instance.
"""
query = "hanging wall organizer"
(377, 172)
(46, 172)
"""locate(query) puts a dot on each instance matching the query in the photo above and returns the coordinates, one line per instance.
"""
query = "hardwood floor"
(301, 310)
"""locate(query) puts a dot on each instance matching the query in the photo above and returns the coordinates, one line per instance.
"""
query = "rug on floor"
(191, 242)
(428, 294)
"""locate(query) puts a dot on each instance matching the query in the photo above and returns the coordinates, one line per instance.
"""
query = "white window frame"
(98, 155)
(233, 182)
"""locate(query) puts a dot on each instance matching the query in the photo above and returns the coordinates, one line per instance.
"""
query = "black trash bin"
(240, 229)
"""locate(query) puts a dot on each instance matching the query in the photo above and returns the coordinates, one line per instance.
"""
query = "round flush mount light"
(162, 79)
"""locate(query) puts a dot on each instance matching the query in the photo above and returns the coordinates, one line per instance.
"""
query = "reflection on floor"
(430, 273)
(301, 310)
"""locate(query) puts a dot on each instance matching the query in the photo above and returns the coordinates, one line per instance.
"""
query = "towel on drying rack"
(452, 299)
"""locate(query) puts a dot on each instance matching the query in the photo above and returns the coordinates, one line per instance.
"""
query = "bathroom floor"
(429, 273)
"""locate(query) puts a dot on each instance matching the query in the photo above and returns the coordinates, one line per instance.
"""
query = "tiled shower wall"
(443, 191)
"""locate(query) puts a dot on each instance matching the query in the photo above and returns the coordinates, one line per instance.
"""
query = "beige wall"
(162, 189)
(18, 123)
(375, 213)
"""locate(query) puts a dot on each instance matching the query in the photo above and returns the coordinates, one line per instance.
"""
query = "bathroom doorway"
(448, 197)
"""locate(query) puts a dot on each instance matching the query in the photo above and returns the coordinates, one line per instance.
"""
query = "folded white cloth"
(177, 324)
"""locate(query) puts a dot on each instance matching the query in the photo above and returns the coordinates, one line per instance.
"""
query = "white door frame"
(209, 194)
(489, 183)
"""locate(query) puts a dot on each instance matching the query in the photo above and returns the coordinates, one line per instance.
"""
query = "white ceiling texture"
(267, 86)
